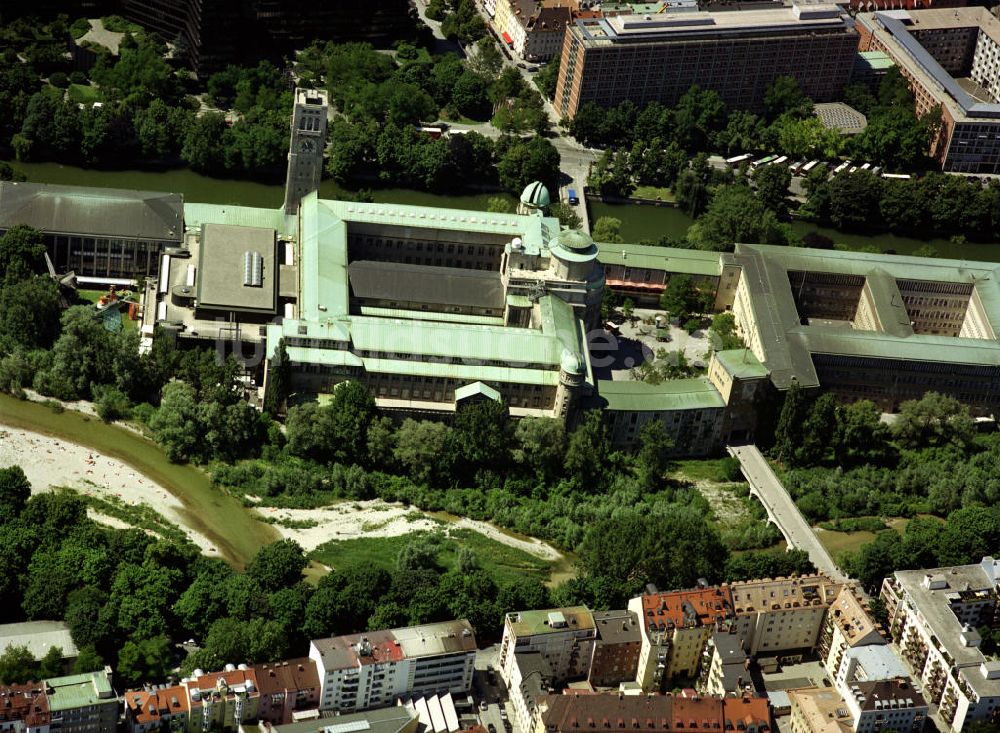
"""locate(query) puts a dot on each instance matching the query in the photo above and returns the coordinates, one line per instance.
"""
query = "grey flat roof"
(220, 268)
(942, 622)
(381, 720)
(401, 282)
(85, 210)
(39, 637)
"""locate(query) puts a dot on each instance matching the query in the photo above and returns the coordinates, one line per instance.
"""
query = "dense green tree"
(861, 435)
(607, 229)
(681, 298)
(586, 452)
(83, 616)
(771, 184)
(146, 660)
(933, 420)
(419, 445)
(794, 412)
(21, 249)
(521, 162)
(479, 441)
(736, 215)
(15, 490)
(785, 97)
(673, 549)
(540, 446)
(278, 565)
(175, 423)
(653, 458)
(17, 665)
(87, 660)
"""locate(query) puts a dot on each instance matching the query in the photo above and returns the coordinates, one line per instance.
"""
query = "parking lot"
(490, 695)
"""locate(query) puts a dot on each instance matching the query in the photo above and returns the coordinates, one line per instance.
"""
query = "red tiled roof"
(684, 608)
(148, 706)
(293, 674)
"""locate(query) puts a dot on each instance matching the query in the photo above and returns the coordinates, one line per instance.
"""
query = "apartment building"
(82, 703)
(886, 705)
(933, 616)
(848, 626)
(564, 637)
(362, 671)
(532, 29)
(161, 708)
(951, 58)
(675, 627)
(783, 615)
(726, 664)
(616, 648)
(286, 687)
(819, 710)
(643, 58)
(222, 700)
(540, 650)
(24, 709)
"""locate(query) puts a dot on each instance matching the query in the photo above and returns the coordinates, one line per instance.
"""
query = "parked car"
(491, 728)
(503, 713)
(483, 705)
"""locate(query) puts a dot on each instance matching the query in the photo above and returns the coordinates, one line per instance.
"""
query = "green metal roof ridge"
(671, 259)
(674, 394)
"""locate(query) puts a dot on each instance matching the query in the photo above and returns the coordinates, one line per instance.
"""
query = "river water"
(638, 222)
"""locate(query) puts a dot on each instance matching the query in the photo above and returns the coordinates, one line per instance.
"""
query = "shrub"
(59, 80)
(78, 77)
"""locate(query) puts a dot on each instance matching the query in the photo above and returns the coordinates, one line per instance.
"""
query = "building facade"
(285, 688)
(675, 628)
(616, 649)
(104, 234)
(949, 57)
(82, 703)
(363, 671)
(640, 58)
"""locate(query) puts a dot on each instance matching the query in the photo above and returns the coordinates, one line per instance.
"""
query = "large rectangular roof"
(669, 259)
(221, 273)
(409, 283)
(79, 691)
(92, 211)
(676, 394)
(39, 637)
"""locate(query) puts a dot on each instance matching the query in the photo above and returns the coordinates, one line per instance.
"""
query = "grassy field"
(700, 469)
(505, 563)
(839, 542)
(654, 192)
(218, 516)
(83, 94)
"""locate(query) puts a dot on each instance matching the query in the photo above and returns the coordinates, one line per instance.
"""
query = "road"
(782, 510)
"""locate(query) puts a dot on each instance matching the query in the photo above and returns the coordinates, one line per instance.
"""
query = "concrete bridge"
(781, 510)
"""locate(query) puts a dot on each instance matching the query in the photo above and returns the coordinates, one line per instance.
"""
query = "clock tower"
(305, 151)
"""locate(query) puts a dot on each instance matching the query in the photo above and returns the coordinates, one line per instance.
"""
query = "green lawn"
(654, 192)
(838, 542)
(83, 94)
(207, 509)
(503, 562)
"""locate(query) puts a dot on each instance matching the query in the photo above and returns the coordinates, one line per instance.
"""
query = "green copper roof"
(536, 195)
(477, 388)
(741, 363)
(323, 260)
(671, 259)
(368, 310)
(675, 394)
(244, 216)
(465, 372)
(80, 691)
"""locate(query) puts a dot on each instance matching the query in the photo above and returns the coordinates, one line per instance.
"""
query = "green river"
(638, 222)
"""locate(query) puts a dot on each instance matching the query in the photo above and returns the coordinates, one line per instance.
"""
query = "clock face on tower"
(307, 146)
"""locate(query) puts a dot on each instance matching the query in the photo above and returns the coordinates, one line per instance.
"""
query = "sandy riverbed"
(352, 519)
(51, 463)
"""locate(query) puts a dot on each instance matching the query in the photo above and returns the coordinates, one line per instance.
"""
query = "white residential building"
(933, 618)
(370, 670)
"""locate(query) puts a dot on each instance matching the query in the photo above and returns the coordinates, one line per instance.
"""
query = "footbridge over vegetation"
(781, 510)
